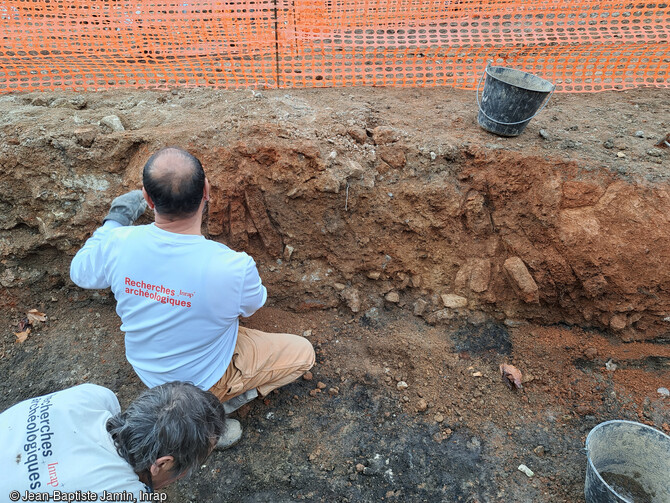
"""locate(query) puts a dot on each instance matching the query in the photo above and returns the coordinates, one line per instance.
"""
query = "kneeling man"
(180, 296)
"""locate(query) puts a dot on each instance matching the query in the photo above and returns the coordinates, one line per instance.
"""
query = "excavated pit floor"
(399, 237)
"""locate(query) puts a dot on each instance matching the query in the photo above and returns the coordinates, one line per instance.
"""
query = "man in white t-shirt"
(180, 296)
(77, 445)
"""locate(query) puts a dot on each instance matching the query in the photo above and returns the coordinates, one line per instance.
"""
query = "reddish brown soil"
(367, 211)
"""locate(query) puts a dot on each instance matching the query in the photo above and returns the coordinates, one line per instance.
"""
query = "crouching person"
(77, 441)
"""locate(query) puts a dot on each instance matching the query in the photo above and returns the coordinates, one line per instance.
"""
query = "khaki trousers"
(264, 361)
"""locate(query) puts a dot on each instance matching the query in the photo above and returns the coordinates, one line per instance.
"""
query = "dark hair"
(174, 180)
(175, 419)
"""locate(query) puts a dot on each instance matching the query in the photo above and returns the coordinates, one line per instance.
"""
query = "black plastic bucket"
(627, 462)
(511, 98)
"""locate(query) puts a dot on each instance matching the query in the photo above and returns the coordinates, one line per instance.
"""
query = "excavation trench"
(408, 243)
(354, 211)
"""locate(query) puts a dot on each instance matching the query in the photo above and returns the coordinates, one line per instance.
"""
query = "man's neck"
(145, 478)
(190, 225)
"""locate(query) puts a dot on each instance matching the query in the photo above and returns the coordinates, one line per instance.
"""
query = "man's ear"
(162, 465)
(206, 190)
(150, 203)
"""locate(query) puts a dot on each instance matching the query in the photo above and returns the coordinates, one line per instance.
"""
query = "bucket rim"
(621, 421)
(551, 85)
(606, 423)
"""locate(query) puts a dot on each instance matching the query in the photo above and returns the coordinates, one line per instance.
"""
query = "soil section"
(409, 245)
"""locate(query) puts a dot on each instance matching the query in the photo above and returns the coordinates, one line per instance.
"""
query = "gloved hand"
(127, 208)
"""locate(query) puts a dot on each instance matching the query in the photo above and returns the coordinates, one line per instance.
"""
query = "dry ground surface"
(398, 237)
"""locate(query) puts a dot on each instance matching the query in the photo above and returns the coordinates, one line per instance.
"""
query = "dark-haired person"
(180, 296)
(78, 440)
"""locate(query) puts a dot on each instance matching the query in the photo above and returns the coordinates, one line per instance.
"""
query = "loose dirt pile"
(409, 245)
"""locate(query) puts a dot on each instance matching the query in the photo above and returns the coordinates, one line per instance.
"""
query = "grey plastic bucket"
(511, 98)
(628, 462)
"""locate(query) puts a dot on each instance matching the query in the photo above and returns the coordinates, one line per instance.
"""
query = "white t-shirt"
(179, 297)
(59, 442)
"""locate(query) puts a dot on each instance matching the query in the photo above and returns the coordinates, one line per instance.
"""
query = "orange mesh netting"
(580, 45)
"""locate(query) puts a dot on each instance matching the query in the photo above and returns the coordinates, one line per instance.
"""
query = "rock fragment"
(352, 170)
(375, 465)
(439, 316)
(420, 307)
(583, 409)
(394, 156)
(358, 133)
(618, 322)
(523, 468)
(480, 275)
(521, 280)
(112, 123)
(392, 297)
(327, 182)
(453, 301)
(76, 103)
(511, 376)
(85, 136)
(384, 134)
(590, 353)
(352, 298)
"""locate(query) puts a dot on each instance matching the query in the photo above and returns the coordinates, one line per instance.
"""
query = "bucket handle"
(507, 123)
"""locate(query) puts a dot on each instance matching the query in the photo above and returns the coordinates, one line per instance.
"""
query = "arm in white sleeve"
(87, 267)
(254, 293)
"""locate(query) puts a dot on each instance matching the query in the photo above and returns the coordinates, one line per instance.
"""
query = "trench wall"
(341, 213)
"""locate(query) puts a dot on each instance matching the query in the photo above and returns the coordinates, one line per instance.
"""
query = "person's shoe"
(235, 403)
(231, 436)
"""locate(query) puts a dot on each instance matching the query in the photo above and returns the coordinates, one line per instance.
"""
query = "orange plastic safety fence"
(580, 45)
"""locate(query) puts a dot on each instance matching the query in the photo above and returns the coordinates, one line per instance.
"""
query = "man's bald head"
(174, 180)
